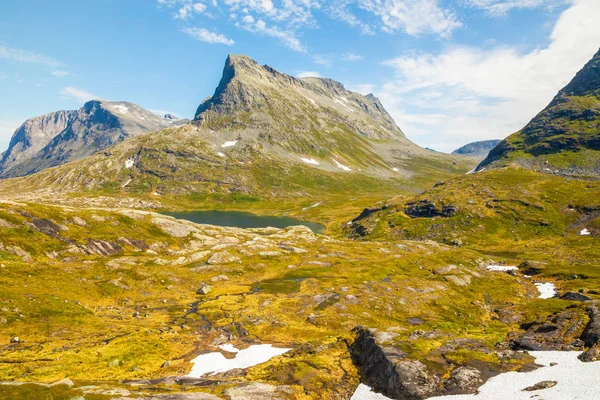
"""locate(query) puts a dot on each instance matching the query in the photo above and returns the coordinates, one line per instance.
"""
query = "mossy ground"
(75, 314)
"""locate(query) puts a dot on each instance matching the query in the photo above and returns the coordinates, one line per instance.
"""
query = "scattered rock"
(114, 363)
(15, 340)
(222, 257)
(79, 221)
(166, 364)
(540, 386)
(464, 380)
(573, 296)
(204, 289)
(591, 354)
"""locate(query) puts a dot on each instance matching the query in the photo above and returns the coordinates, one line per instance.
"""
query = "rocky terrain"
(564, 138)
(64, 136)
(477, 149)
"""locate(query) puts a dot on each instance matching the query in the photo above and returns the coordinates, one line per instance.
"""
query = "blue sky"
(449, 72)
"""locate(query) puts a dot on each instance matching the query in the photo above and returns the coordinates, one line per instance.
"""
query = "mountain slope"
(34, 135)
(477, 149)
(264, 134)
(65, 136)
(565, 137)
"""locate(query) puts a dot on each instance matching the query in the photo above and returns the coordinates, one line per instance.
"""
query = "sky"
(448, 71)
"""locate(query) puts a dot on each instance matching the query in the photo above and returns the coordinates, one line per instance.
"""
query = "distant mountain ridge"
(564, 138)
(64, 136)
(477, 149)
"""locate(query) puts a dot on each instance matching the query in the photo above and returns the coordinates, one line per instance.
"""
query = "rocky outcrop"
(561, 331)
(427, 209)
(574, 296)
(591, 333)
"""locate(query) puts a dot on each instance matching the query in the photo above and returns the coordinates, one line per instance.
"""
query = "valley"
(413, 273)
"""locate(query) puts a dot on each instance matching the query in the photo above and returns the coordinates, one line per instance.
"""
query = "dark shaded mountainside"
(263, 133)
(564, 138)
(63, 136)
(477, 149)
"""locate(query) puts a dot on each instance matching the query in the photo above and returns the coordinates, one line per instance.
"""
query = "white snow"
(126, 183)
(229, 144)
(142, 118)
(122, 109)
(129, 163)
(576, 380)
(585, 232)
(501, 268)
(547, 290)
(229, 347)
(220, 154)
(395, 169)
(156, 194)
(213, 363)
(471, 171)
(341, 166)
(311, 161)
(344, 105)
(313, 206)
(364, 392)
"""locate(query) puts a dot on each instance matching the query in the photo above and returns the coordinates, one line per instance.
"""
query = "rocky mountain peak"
(563, 136)
(587, 81)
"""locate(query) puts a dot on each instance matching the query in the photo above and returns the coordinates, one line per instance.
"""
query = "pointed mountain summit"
(277, 99)
(64, 136)
(564, 138)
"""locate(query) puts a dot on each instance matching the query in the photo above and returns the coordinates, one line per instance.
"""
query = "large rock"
(574, 296)
(387, 371)
(464, 379)
(591, 354)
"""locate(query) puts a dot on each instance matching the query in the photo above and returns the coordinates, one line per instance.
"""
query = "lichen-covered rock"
(463, 379)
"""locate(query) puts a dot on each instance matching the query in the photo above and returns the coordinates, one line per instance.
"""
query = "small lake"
(243, 220)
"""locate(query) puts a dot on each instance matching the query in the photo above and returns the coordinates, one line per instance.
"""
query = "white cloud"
(60, 74)
(80, 95)
(285, 36)
(207, 36)
(199, 8)
(502, 7)
(284, 19)
(353, 57)
(413, 16)
(326, 60)
(20, 55)
(308, 74)
(465, 94)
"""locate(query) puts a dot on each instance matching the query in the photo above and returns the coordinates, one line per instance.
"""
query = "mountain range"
(477, 149)
(59, 137)
(261, 132)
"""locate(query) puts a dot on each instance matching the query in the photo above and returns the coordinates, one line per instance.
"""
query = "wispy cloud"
(80, 95)
(20, 55)
(496, 8)
(287, 37)
(60, 74)
(285, 20)
(326, 60)
(204, 35)
(352, 57)
(308, 74)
